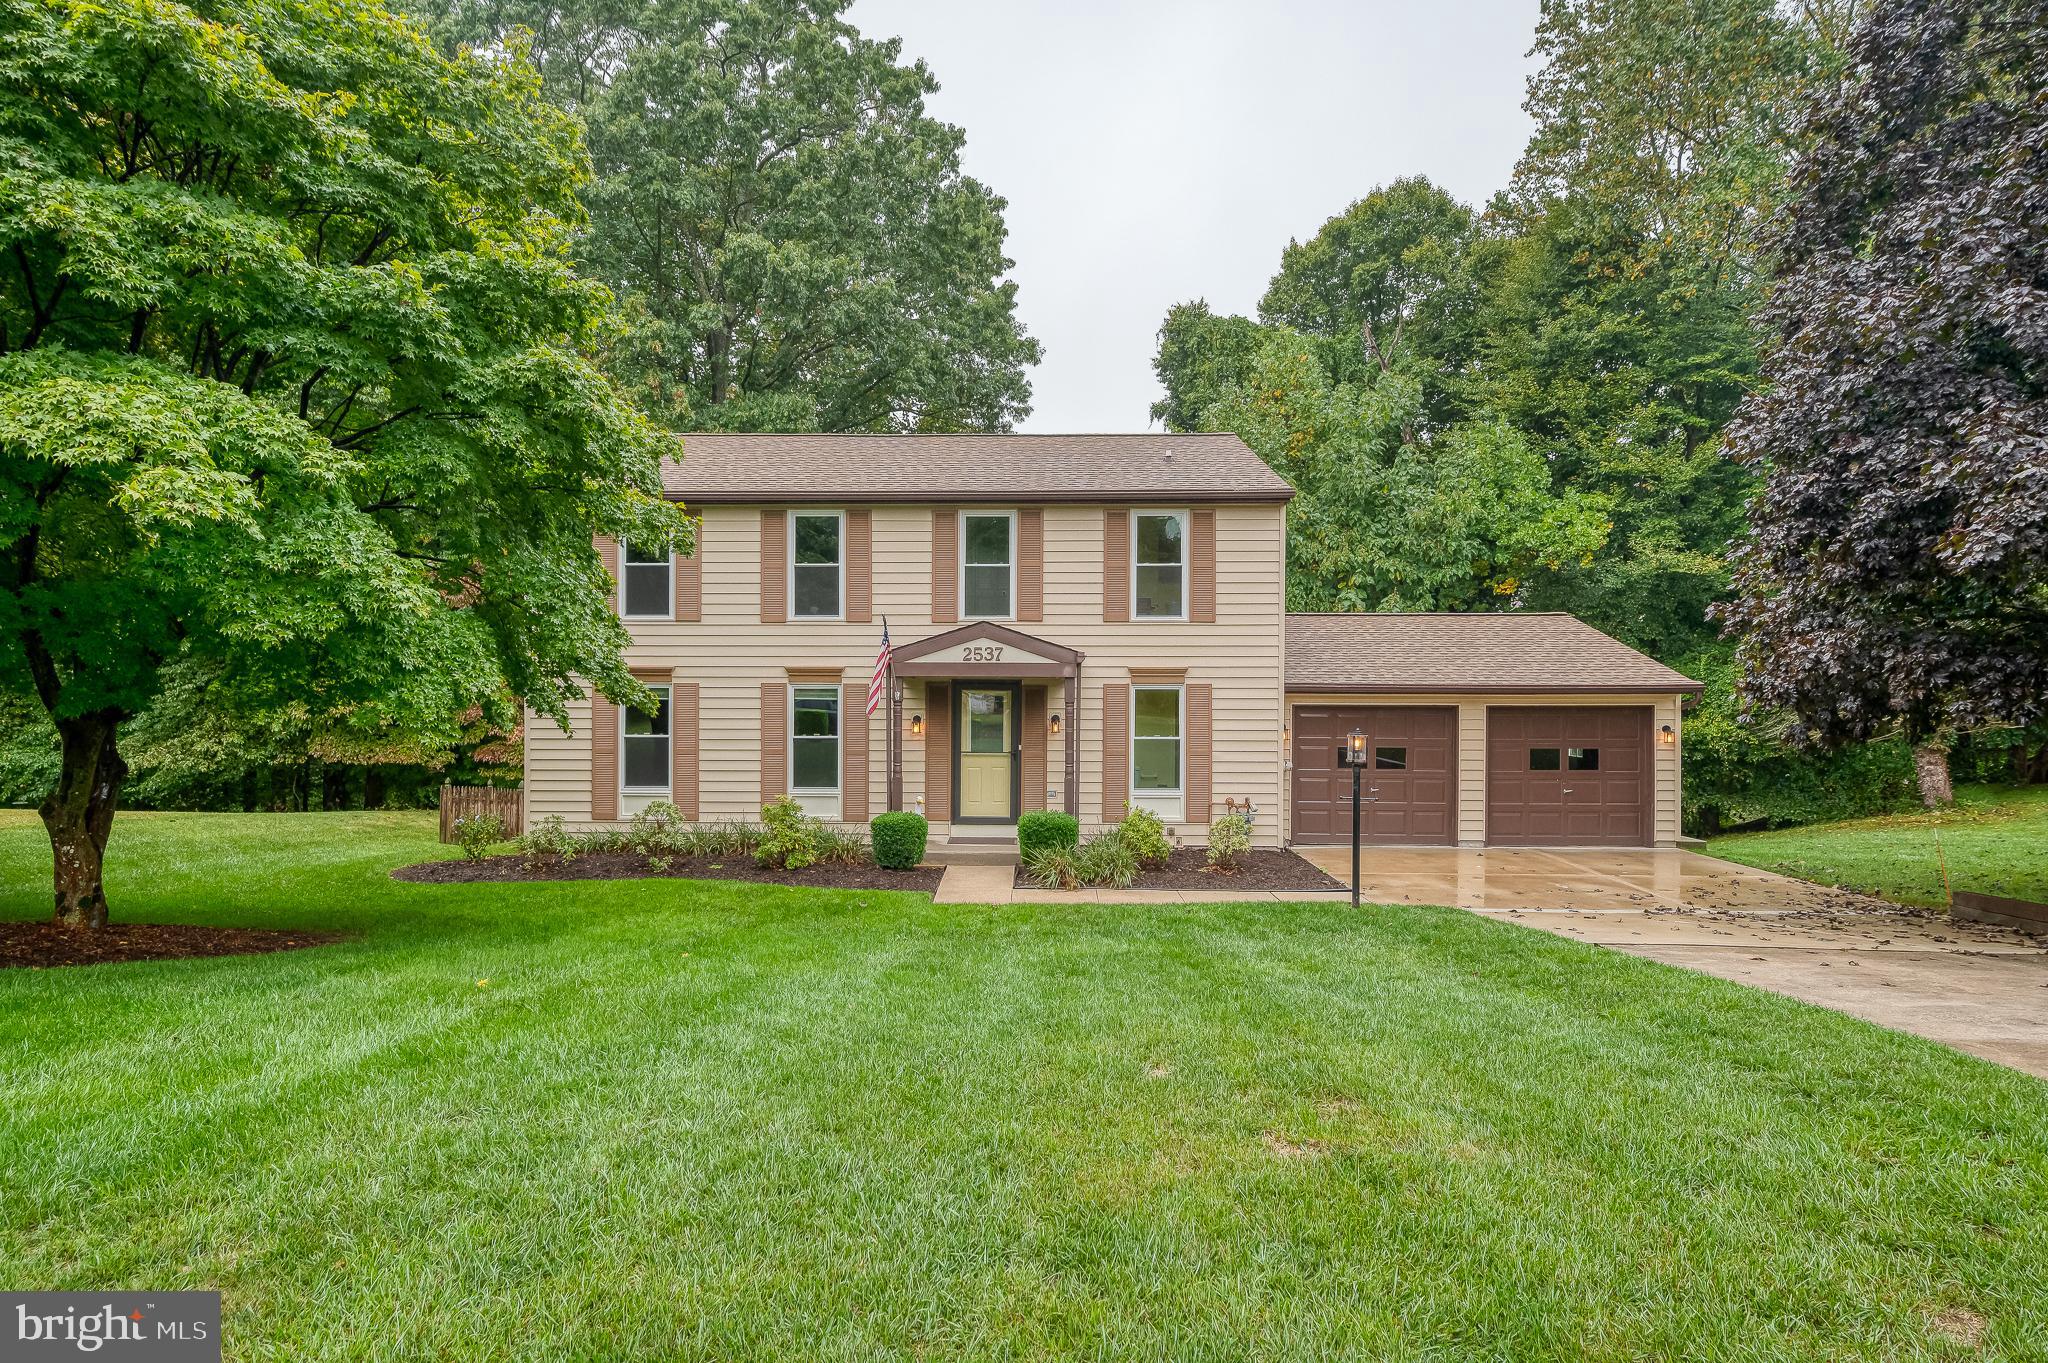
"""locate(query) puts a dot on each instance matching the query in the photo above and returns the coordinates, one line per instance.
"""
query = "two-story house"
(1081, 622)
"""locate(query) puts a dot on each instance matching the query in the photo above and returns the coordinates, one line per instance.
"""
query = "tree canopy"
(296, 382)
(791, 233)
(1898, 573)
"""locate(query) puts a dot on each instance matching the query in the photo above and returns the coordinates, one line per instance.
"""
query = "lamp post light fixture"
(1353, 755)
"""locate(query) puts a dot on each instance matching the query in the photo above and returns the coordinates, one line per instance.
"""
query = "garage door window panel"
(1582, 759)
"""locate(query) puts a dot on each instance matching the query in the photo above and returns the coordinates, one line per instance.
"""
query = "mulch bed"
(35, 946)
(633, 866)
(1264, 868)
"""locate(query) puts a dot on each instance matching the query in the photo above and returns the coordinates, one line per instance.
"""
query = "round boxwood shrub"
(1046, 830)
(898, 839)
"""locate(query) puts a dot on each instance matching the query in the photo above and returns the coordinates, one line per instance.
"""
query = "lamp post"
(1352, 755)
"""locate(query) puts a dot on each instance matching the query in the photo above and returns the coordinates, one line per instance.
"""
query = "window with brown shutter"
(1031, 564)
(1034, 781)
(945, 567)
(853, 752)
(1202, 562)
(683, 731)
(774, 567)
(1116, 570)
(608, 554)
(938, 752)
(604, 759)
(774, 740)
(689, 570)
(1116, 750)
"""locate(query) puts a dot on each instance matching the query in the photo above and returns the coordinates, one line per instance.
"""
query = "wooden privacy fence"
(460, 801)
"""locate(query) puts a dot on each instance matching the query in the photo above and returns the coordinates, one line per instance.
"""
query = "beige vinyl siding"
(732, 652)
(1664, 709)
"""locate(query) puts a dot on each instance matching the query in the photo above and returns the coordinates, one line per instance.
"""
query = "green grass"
(1995, 840)
(737, 1122)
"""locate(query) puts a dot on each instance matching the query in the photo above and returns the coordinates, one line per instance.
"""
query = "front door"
(986, 789)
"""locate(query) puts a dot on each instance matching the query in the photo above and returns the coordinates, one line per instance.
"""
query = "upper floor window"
(1159, 575)
(646, 745)
(646, 589)
(988, 564)
(817, 546)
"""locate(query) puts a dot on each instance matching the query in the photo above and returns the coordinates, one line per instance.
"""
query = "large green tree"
(791, 233)
(1898, 574)
(294, 382)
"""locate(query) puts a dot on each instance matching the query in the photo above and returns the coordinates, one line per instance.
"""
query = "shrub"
(1043, 828)
(478, 834)
(848, 847)
(719, 841)
(658, 830)
(1106, 859)
(791, 839)
(549, 843)
(1230, 838)
(899, 838)
(1144, 836)
(1055, 867)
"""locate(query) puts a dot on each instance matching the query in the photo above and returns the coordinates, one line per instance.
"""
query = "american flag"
(880, 682)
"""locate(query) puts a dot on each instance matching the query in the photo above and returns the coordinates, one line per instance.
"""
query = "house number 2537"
(983, 653)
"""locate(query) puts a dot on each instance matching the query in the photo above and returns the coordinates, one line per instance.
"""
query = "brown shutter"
(938, 752)
(945, 567)
(860, 567)
(774, 741)
(853, 752)
(1033, 779)
(604, 759)
(682, 741)
(1202, 589)
(774, 567)
(1116, 570)
(689, 571)
(1200, 787)
(1116, 750)
(1030, 567)
(608, 554)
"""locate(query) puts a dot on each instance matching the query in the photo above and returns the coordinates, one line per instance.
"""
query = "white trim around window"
(816, 708)
(802, 573)
(1142, 569)
(968, 567)
(645, 740)
(651, 578)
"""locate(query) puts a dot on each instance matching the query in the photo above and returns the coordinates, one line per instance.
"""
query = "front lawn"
(688, 1120)
(1995, 839)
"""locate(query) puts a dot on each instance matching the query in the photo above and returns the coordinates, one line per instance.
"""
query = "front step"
(972, 851)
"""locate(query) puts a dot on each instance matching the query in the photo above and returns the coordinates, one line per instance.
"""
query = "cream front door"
(987, 735)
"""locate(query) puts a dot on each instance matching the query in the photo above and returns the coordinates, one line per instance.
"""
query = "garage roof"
(1148, 466)
(1475, 651)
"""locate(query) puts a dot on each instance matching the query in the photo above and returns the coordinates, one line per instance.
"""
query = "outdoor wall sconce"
(917, 726)
(1667, 737)
(1053, 725)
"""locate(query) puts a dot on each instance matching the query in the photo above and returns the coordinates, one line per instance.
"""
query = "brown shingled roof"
(1479, 651)
(971, 468)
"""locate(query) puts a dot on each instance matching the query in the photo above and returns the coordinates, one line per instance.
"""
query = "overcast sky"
(1153, 152)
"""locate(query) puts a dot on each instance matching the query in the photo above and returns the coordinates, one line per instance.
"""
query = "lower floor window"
(814, 742)
(1155, 739)
(646, 756)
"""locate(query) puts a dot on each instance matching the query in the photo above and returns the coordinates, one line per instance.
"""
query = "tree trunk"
(79, 815)
(1930, 760)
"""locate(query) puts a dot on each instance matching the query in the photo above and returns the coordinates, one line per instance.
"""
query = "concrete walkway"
(1980, 989)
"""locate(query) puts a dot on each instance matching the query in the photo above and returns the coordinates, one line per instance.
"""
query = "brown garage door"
(1575, 776)
(1411, 788)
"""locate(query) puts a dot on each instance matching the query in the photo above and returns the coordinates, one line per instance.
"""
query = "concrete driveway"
(1979, 989)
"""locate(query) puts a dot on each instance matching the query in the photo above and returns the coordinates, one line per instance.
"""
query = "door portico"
(985, 669)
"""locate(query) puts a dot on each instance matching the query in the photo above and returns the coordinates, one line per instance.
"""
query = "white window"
(814, 740)
(1156, 740)
(1159, 580)
(646, 588)
(988, 564)
(816, 552)
(646, 764)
